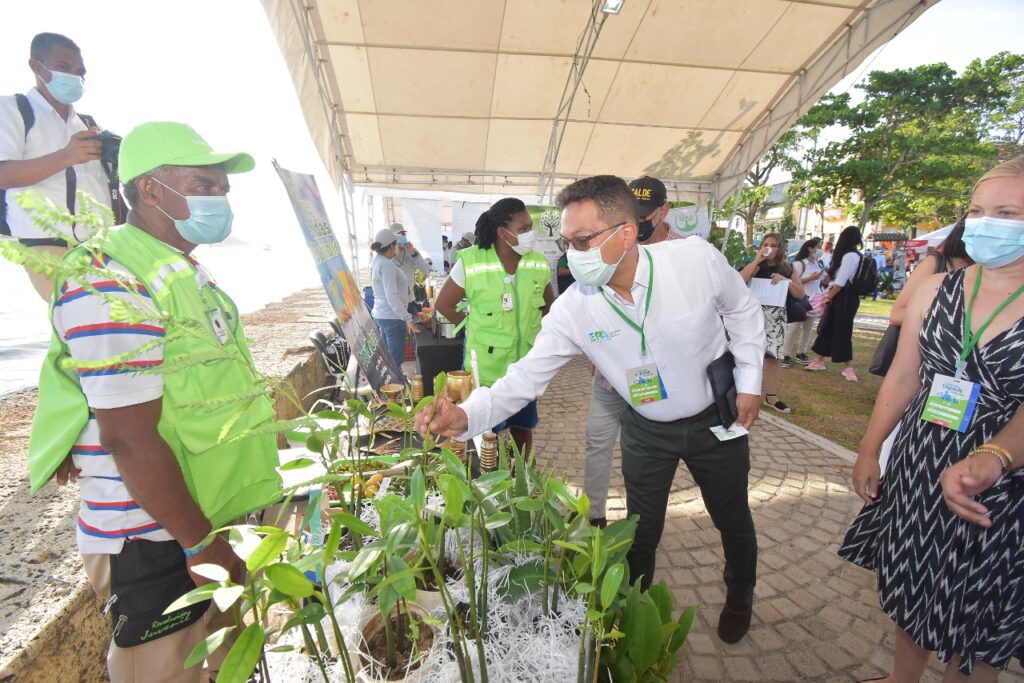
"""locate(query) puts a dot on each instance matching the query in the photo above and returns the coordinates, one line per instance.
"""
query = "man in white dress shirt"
(651, 320)
(57, 147)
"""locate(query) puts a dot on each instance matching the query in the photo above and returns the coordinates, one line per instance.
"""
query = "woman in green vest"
(508, 288)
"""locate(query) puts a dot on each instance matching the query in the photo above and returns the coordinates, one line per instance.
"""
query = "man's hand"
(777, 278)
(67, 472)
(84, 146)
(747, 406)
(412, 327)
(866, 475)
(965, 479)
(219, 552)
(448, 418)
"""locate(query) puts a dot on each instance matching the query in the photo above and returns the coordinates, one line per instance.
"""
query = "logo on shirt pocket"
(602, 336)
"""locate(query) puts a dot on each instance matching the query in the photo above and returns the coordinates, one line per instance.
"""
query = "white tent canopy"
(499, 95)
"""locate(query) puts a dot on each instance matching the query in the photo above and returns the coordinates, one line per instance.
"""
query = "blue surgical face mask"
(994, 242)
(402, 240)
(589, 268)
(818, 253)
(209, 219)
(65, 88)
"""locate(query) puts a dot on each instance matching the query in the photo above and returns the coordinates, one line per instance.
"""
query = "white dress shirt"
(48, 134)
(697, 298)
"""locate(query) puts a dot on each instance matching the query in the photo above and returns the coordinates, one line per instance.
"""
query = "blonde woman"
(951, 575)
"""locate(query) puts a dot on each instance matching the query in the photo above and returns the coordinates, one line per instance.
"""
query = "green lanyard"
(647, 306)
(970, 341)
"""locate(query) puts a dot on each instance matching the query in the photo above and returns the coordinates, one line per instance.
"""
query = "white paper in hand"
(734, 432)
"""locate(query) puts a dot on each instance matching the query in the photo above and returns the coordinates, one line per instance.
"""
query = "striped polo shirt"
(82, 317)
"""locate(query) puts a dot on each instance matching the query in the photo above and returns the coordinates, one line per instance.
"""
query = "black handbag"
(797, 309)
(885, 351)
(145, 578)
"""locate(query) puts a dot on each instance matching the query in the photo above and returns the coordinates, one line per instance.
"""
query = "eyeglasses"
(583, 243)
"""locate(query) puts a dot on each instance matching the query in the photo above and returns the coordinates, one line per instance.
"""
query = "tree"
(1003, 125)
(913, 145)
(748, 199)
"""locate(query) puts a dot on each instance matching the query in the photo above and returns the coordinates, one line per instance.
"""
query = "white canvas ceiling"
(462, 95)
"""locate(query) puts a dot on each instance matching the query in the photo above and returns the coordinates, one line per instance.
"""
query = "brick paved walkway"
(816, 617)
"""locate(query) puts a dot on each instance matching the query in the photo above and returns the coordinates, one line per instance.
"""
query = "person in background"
(942, 529)
(835, 332)
(507, 285)
(411, 261)
(806, 267)
(697, 309)
(390, 295)
(464, 242)
(446, 252)
(951, 255)
(57, 147)
(164, 453)
(606, 405)
(826, 256)
(565, 278)
(770, 263)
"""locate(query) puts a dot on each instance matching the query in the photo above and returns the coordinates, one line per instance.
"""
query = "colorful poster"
(688, 219)
(338, 281)
(547, 223)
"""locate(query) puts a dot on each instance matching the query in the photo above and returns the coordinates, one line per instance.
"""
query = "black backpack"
(28, 118)
(864, 282)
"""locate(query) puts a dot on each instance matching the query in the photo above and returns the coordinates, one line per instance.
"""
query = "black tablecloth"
(435, 355)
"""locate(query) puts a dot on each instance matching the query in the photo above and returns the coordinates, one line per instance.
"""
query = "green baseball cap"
(166, 143)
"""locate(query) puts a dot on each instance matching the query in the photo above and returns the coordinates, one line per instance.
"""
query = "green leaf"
(489, 479)
(423, 403)
(289, 580)
(685, 624)
(315, 443)
(558, 489)
(241, 660)
(644, 628)
(529, 504)
(225, 596)
(439, 382)
(194, 596)
(213, 572)
(525, 579)
(660, 594)
(333, 541)
(576, 548)
(398, 411)
(207, 647)
(583, 588)
(366, 558)
(269, 549)
(297, 464)
(311, 614)
(610, 584)
(498, 519)
(583, 505)
(353, 524)
(418, 489)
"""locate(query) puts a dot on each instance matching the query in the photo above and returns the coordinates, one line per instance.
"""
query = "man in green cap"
(138, 413)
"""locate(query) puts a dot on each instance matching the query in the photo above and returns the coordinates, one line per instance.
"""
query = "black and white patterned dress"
(952, 586)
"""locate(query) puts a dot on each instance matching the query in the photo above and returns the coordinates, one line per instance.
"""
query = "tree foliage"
(916, 142)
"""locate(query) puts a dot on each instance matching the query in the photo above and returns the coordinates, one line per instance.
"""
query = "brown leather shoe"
(734, 621)
(599, 522)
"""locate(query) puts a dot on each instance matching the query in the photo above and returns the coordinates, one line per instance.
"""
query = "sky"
(215, 64)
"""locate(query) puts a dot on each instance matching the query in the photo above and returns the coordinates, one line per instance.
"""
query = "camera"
(111, 145)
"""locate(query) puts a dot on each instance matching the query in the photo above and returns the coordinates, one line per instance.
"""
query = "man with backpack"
(48, 148)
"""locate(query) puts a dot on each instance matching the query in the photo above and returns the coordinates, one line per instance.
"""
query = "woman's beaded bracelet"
(198, 547)
(1005, 459)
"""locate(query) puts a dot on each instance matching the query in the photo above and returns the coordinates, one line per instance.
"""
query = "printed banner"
(338, 281)
(688, 219)
(547, 223)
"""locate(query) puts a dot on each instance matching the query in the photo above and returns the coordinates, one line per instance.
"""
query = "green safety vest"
(501, 337)
(226, 478)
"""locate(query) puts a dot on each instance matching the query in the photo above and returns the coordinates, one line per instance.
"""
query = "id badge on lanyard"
(220, 327)
(951, 400)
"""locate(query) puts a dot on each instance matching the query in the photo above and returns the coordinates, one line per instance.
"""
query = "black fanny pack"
(145, 578)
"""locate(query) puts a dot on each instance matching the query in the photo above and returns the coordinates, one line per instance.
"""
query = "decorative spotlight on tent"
(612, 6)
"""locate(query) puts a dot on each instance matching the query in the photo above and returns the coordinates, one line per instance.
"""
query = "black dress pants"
(650, 452)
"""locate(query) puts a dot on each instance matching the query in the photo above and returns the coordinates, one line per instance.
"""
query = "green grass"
(871, 307)
(828, 405)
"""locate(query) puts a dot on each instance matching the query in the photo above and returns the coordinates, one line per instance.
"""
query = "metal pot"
(446, 330)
